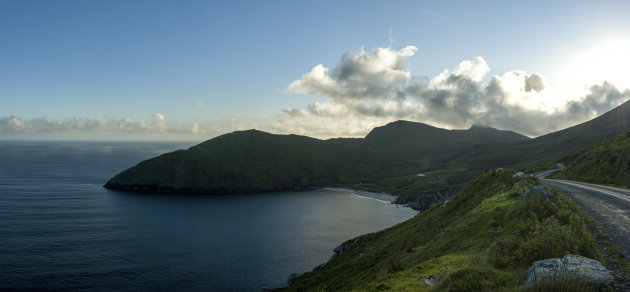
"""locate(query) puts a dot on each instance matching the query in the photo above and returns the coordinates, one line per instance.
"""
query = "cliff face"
(426, 200)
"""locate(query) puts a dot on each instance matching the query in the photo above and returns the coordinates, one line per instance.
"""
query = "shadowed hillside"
(255, 161)
(553, 146)
(605, 163)
(388, 159)
(427, 145)
(533, 152)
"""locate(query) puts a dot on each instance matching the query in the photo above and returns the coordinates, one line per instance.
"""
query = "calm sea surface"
(60, 230)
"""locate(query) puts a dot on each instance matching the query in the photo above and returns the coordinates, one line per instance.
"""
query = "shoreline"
(384, 197)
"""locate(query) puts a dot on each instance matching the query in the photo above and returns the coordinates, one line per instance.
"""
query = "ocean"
(61, 230)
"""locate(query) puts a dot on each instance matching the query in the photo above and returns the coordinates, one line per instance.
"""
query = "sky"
(192, 70)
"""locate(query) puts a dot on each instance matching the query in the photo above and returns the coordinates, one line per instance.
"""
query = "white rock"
(570, 267)
(518, 174)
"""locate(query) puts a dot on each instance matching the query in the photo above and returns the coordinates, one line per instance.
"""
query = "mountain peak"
(479, 126)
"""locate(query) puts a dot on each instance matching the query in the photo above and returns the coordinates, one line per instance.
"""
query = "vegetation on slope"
(255, 161)
(456, 170)
(605, 163)
(538, 151)
(484, 238)
(386, 160)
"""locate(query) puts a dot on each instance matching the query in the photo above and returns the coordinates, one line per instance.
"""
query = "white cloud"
(158, 122)
(474, 70)
(317, 82)
(368, 89)
(359, 75)
(199, 104)
(371, 88)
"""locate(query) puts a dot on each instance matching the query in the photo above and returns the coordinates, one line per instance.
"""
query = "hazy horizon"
(147, 137)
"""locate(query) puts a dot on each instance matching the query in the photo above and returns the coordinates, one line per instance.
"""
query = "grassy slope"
(483, 239)
(254, 161)
(542, 150)
(426, 145)
(605, 163)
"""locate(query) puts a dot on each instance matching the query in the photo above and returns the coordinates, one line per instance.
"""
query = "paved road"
(610, 206)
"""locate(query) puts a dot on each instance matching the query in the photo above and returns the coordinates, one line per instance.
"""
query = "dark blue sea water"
(60, 230)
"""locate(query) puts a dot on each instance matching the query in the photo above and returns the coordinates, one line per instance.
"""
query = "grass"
(482, 240)
(607, 163)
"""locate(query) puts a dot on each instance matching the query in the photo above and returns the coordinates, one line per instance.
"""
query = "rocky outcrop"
(344, 246)
(426, 200)
(569, 268)
(340, 249)
(539, 192)
(291, 278)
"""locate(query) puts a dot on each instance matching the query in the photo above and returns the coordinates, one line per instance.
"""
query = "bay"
(61, 230)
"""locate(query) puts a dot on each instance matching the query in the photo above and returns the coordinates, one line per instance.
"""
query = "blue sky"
(192, 70)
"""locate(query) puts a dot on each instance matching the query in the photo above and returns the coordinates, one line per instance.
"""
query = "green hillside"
(484, 238)
(426, 145)
(538, 151)
(605, 163)
(255, 161)
(388, 159)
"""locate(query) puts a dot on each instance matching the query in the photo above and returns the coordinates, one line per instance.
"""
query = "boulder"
(518, 174)
(540, 192)
(570, 268)
(431, 281)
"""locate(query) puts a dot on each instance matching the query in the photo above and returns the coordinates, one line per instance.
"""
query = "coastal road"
(610, 206)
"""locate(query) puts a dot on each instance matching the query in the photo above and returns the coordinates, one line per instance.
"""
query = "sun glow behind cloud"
(376, 86)
(608, 60)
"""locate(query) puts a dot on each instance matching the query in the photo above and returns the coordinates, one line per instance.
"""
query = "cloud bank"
(158, 127)
(371, 88)
(158, 123)
(367, 89)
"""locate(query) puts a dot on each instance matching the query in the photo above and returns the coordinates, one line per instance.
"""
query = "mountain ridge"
(387, 159)
(555, 145)
(256, 161)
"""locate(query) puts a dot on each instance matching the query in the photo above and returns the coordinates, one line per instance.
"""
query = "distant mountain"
(255, 161)
(605, 163)
(427, 144)
(549, 147)
(250, 161)
(388, 159)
